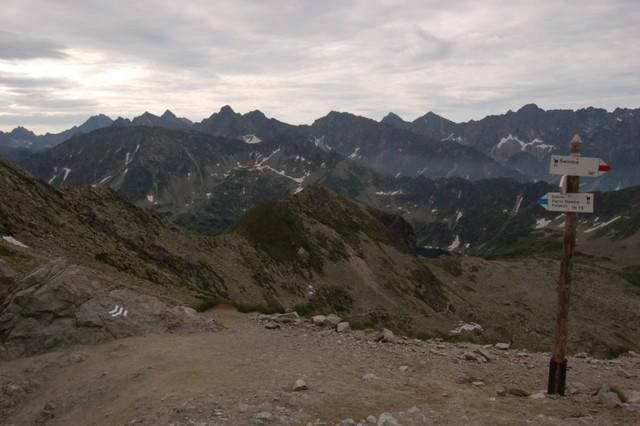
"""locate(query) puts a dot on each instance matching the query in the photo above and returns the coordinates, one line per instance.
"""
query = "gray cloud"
(20, 46)
(298, 60)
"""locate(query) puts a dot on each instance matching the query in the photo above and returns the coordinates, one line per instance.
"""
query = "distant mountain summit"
(168, 120)
(228, 123)
(516, 144)
(525, 139)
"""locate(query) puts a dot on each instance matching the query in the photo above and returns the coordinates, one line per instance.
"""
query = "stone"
(386, 336)
(59, 304)
(287, 318)
(347, 422)
(633, 397)
(333, 320)
(271, 325)
(300, 385)
(319, 320)
(78, 357)
(387, 419)
(404, 368)
(485, 354)
(608, 398)
(502, 346)
(581, 355)
(518, 392)
(372, 420)
(468, 328)
(242, 407)
(633, 354)
(470, 356)
(477, 384)
(343, 327)
(539, 395)
(264, 416)
(369, 376)
(501, 391)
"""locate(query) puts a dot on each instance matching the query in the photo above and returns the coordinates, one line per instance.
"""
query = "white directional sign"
(577, 166)
(581, 202)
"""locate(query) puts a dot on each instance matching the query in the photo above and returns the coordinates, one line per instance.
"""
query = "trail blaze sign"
(577, 166)
(581, 202)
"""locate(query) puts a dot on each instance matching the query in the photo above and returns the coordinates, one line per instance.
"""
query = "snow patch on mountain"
(516, 207)
(510, 145)
(390, 193)
(602, 225)
(455, 244)
(542, 223)
(66, 171)
(13, 241)
(251, 139)
(452, 138)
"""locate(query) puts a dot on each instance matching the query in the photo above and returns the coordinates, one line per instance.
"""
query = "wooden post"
(558, 364)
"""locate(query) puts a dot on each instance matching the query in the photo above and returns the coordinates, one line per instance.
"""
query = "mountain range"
(516, 144)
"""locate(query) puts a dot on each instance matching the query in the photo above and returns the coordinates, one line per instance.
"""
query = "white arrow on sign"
(577, 166)
(581, 202)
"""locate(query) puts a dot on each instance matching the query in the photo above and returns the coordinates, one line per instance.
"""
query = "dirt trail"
(244, 375)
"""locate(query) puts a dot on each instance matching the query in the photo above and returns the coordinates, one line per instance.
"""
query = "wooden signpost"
(571, 202)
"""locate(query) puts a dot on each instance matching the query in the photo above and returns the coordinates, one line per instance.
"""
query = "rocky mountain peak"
(22, 133)
(168, 114)
(392, 119)
(226, 111)
(530, 108)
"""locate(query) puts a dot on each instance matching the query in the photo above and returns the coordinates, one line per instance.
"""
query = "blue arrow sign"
(575, 202)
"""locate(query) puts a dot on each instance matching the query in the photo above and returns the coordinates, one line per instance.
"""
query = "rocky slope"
(206, 183)
(315, 252)
(524, 140)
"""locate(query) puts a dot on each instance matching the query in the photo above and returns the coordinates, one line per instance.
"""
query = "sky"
(64, 60)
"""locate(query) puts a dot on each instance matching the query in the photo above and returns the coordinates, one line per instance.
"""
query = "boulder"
(488, 356)
(386, 336)
(59, 304)
(287, 318)
(502, 346)
(343, 327)
(387, 419)
(468, 328)
(300, 385)
(319, 320)
(333, 320)
(271, 325)
(609, 398)
(518, 392)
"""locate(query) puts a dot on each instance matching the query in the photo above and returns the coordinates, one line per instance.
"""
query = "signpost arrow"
(577, 166)
(581, 202)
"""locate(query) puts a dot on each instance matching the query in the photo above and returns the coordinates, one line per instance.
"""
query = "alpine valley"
(162, 234)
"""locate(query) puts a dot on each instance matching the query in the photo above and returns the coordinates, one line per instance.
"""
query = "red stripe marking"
(603, 167)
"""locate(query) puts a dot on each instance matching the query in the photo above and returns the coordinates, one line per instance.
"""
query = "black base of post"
(557, 377)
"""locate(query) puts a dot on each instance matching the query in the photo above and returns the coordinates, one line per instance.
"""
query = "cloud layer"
(298, 60)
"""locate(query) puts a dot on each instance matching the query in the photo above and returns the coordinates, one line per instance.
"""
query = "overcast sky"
(63, 60)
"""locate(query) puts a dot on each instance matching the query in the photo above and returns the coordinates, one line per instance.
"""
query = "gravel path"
(245, 374)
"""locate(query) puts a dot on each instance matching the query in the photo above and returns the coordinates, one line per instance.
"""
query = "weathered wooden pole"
(558, 364)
